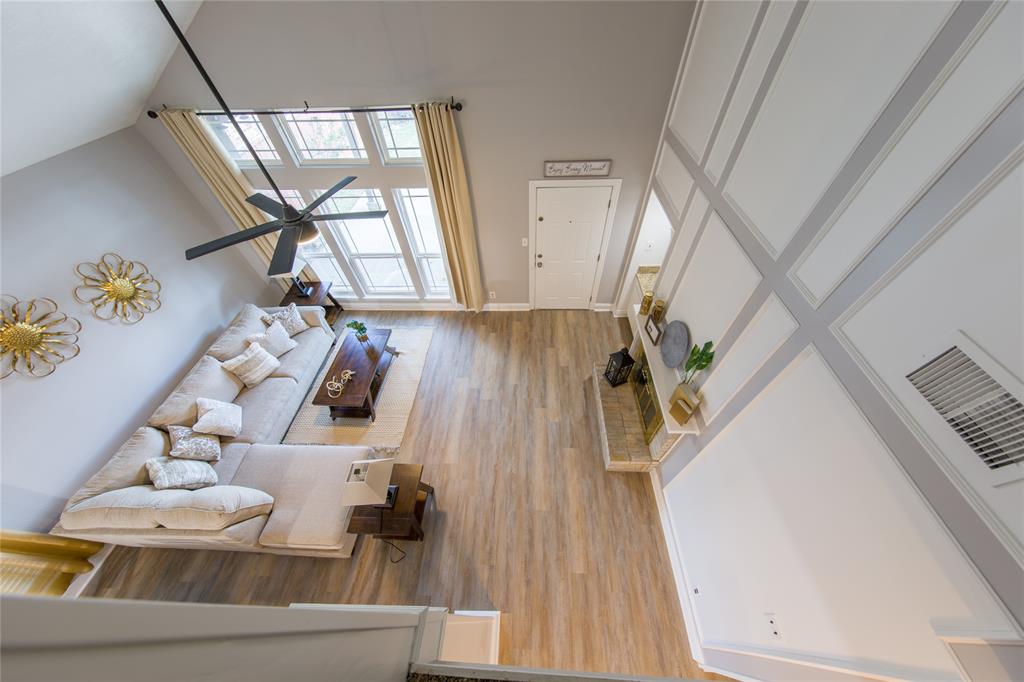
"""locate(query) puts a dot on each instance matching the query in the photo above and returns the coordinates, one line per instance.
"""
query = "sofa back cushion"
(143, 506)
(232, 341)
(208, 379)
(128, 465)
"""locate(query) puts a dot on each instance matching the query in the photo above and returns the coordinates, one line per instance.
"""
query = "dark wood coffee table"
(370, 361)
(403, 520)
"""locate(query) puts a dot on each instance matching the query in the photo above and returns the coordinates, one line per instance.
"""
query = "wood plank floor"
(527, 521)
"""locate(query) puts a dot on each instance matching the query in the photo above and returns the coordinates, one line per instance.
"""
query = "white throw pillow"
(253, 366)
(218, 417)
(275, 340)
(187, 474)
(187, 444)
(290, 319)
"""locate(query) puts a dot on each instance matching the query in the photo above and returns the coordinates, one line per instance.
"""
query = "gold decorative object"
(116, 287)
(645, 303)
(35, 337)
(658, 311)
(683, 403)
(334, 387)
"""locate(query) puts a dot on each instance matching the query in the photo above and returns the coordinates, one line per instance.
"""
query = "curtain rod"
(457, 106)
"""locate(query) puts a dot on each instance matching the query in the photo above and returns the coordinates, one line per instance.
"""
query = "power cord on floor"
(393, 546)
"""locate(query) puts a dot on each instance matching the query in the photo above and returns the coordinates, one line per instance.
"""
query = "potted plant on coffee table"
(360, 330)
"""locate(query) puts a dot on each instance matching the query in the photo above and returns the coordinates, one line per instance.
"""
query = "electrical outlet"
(491, 295)
(526, 241)
(772, 621)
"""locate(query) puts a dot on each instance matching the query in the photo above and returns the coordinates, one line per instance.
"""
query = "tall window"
(398, 257)
(233, 144)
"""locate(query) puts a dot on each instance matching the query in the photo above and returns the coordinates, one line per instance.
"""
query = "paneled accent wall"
(845, 185)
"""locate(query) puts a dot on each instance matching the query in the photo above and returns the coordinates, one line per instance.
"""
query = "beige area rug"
(313, 423)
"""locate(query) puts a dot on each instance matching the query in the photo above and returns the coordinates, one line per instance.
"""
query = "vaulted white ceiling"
(72, 72)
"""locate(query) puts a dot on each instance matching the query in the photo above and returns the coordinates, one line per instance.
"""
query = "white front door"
(569, 227)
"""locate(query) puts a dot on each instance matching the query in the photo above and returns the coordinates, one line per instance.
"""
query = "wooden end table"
(371, 362)
(404, 520)
(318, 296)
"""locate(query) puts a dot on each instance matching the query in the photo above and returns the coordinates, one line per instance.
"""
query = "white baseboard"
(82, 580)
(682, 589)
(601, 307)
(499, 307)
(403, 305)
(620, 313)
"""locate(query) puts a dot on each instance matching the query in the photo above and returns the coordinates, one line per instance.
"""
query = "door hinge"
(598, 256)
(609, 203)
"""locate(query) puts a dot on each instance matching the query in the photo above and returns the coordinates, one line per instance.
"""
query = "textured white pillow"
(187, 444)
(289, 318)
(187, 474)
(218, 417)
(253, 366)
(275, 340)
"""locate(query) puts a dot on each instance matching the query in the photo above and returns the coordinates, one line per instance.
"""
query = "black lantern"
(619, 364)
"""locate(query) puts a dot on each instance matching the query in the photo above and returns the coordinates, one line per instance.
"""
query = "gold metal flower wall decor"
(117, 288)
(35, 337)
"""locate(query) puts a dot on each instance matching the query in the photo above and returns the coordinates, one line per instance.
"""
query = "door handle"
(540, 255)
(539, 264)
(540, 219)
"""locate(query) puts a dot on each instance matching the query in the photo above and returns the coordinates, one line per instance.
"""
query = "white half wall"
(812, 520)
(114, 194)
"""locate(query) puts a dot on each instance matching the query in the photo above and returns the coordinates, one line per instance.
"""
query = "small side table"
(404, 520)
(320, 294)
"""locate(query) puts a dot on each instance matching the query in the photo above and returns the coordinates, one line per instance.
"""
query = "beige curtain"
(442, 155)
(226, 181)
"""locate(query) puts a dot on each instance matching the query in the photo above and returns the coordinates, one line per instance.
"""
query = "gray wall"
(540, 80)
(114, 194)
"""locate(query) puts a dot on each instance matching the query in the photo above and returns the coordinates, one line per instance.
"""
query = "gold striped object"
(40, 564)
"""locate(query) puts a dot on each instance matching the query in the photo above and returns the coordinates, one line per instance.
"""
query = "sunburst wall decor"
(117, 288)
(35, 337)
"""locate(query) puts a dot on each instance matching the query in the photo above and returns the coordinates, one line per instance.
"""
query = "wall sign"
(566, 169)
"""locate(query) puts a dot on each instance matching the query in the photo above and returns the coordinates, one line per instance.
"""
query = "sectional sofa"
(270, 497)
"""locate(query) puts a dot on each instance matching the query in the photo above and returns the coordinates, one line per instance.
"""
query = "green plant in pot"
(685, 399)
(360, 330)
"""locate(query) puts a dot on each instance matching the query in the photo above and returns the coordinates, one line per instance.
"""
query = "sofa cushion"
(306, 483)
(212, 508)
(170, 473)
(232, 341)
(143, 506)
(303, 362)
(231, 456)
(128, 465)
(218, 417)
(131, 507)
(208, 379)
(289, 317)
(313, 315)
(263, 408)
(275, 340)
(188, 444)
(253, 365)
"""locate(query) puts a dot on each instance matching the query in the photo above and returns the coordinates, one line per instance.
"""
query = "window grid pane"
(233, 144)
(324, 136)
(418, 213)
(326, 268)
(385, 274)
(372, 236)
(398, 135)
(436, 276)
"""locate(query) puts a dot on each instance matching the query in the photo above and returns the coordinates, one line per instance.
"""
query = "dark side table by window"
(319, 296)
(403, 520)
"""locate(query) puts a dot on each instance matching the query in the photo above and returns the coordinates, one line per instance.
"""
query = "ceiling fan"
(297, 226)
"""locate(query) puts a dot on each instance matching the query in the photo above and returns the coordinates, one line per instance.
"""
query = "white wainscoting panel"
(674, 179)
(853, 563)
(716, 284)
(680, 248)
(722, 31)
(972, 270)
(768, 36)
(844, 64)
(768, 330)
(975, 90)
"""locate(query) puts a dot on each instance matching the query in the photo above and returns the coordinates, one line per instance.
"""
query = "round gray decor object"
(675, 343)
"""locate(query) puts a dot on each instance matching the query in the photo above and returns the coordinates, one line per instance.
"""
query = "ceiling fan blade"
(265, 203)
(328, 194)
(284, 254)
(232, 239)
(360, 215)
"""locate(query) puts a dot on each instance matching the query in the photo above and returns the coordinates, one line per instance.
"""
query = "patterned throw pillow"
(187, 474)
(275, 340)
(289, 318)
(218, 417)
(253, 366)
(187, 444)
